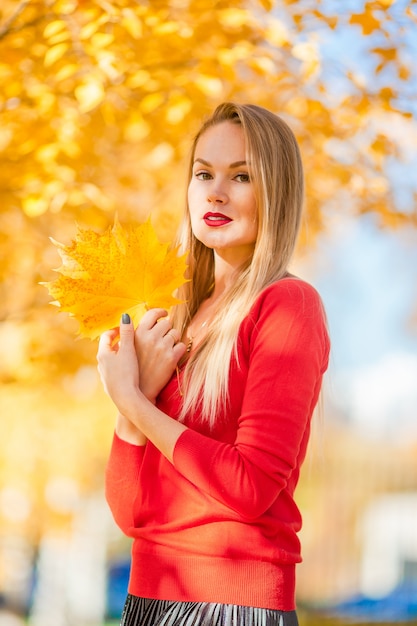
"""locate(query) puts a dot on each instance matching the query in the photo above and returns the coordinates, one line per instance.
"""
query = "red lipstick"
(216, 219)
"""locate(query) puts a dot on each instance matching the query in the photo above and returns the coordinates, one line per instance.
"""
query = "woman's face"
(221, 197)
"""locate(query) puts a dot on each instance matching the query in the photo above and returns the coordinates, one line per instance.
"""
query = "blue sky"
(367, 278)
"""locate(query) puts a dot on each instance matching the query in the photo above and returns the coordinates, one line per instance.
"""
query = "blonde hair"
(276, 173)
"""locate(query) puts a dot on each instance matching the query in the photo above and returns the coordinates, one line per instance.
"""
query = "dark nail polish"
(125, 318)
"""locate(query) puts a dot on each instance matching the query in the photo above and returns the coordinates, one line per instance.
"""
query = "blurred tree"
(98, 100)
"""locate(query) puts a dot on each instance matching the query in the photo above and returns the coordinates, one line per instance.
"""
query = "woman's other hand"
(158, 350)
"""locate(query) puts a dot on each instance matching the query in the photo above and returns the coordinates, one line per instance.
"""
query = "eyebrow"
(233, 165)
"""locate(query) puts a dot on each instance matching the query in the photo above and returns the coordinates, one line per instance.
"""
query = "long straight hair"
(276, 172)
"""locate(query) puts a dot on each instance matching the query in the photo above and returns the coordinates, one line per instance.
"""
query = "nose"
(217, 194)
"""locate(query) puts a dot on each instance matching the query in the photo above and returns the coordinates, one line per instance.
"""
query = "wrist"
(127, 431)
(129, 402)
(149, 394)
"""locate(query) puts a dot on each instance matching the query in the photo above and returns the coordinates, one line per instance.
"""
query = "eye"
(242, 177)
(203, 175)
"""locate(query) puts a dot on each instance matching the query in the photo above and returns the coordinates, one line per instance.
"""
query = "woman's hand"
(118, 365)
(121, 376)
(158, 351)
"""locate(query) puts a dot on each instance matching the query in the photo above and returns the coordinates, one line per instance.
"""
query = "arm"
(288, 355)
(126, 431)
(289, 349)
(121, 477)
(158, 352)
(119, 370)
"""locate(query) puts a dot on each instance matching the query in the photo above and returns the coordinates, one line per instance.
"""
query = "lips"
(216, 219)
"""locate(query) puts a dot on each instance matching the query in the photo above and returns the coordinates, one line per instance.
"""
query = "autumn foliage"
(99, 101)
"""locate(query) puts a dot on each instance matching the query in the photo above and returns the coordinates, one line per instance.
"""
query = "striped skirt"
(146, 612)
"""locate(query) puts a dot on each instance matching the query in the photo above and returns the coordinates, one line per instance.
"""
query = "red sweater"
(220, 523)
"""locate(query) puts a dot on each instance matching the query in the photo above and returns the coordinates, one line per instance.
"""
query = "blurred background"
(99, 100)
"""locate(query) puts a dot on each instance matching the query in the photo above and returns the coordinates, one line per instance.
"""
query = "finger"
(126, 331)
(156, 332)
(151, 317)
(106, 340)
(179, 350)
(173, 335)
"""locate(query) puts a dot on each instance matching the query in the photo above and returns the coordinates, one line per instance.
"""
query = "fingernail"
(125, 318)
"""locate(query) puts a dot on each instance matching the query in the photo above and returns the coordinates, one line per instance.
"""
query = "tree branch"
(5, 29)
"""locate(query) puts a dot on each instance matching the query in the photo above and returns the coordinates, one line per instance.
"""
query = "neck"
(198, 327)
(224, 275)
(224, 278)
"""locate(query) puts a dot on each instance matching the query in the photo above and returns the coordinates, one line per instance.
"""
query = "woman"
(215, 403)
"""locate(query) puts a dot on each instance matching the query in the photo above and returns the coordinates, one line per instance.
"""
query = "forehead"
(223, 142)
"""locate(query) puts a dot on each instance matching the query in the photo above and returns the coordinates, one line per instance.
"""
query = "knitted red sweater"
(220, 523)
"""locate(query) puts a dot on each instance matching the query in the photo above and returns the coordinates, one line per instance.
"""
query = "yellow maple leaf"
(123, 270)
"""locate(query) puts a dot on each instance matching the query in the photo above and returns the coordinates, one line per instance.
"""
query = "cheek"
(193, 208)
(192, 197)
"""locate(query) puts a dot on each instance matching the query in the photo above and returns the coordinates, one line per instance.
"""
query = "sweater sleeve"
(121, 478)
(288, 348)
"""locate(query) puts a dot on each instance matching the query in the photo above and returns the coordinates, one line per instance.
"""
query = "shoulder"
(288, 308)
(287, 317)
(291, 294)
